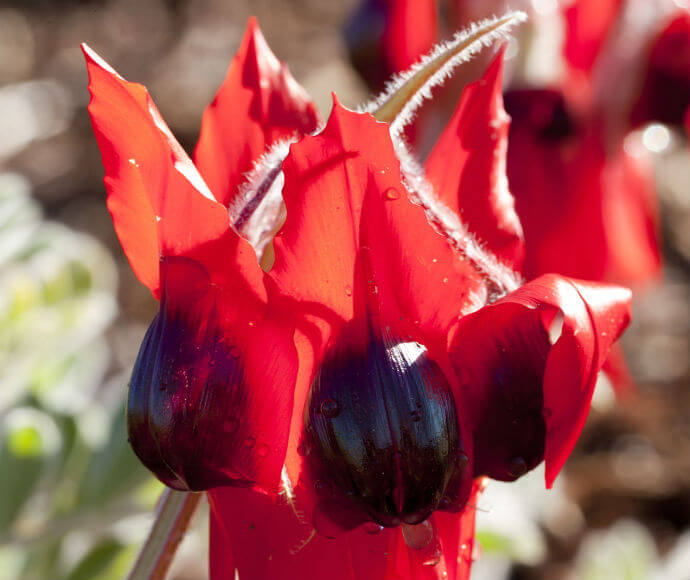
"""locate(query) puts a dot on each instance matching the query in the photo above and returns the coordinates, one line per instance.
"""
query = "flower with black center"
(343, 408)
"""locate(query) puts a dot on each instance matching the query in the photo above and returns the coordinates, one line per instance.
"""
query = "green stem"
(173, 513)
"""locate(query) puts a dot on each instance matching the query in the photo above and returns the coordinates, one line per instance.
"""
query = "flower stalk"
(173, 514)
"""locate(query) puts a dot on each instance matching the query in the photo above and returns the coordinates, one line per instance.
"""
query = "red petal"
(665, 93)
(552, 335)
(262, 537)
(617, 371)
(258, 104)
(354, 245)
(159, 203)
(211, 394)
(191, 413)
(354, 239)
(411, 30)
(475, 184)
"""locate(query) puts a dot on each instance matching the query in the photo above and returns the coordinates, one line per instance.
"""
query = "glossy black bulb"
(382, 430)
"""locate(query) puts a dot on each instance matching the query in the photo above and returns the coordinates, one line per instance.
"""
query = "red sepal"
(542, 344)
(258, 104)
(467, 167)
(159, 204)
(262, 537)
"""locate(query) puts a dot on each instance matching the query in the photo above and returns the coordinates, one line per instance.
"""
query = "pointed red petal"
(354, 245)
(475, 184)
(258, 104)
(262, 537)
(159, 203)
(535, 354)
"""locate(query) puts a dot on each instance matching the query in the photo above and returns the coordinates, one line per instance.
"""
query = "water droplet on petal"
(249, 441)
(262, 451)
(372, 528)
(418, 536)
(348, 290)
(463, 460)
(330, 408)
(516, 466)
(391, 194)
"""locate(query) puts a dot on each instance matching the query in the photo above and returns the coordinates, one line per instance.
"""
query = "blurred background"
(74, 502)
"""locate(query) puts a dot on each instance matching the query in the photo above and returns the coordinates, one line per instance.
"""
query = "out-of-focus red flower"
(586, 212)
(356, 385)
(665, 92)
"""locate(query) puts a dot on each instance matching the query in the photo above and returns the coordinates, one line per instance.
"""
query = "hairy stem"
(405, 94)
(173, 514)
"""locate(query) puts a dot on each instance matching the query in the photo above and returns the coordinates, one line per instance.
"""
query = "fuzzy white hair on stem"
(406, 92)
(500, 278)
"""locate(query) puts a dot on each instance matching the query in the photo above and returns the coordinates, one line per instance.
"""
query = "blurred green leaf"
(114, 469)
(29, 438)
(97, 561)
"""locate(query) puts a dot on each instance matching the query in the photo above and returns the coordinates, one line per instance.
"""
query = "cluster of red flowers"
(587, 206)
(344, 407)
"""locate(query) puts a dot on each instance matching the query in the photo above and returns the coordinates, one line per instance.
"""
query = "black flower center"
(381, 431)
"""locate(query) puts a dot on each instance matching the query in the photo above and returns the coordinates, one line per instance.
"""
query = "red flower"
(371, 361)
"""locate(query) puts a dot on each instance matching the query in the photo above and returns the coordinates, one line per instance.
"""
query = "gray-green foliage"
(68, 479)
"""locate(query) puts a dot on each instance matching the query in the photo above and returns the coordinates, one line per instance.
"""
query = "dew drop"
(516, 466)
(348, 290)
(322, 488)
(262, 451)
(372, 528)
(418, 536)
(249, 441)
(251, 323)
(330, 408)
(445, 280)
(432, 560)
(463, 460)
(391, 194)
